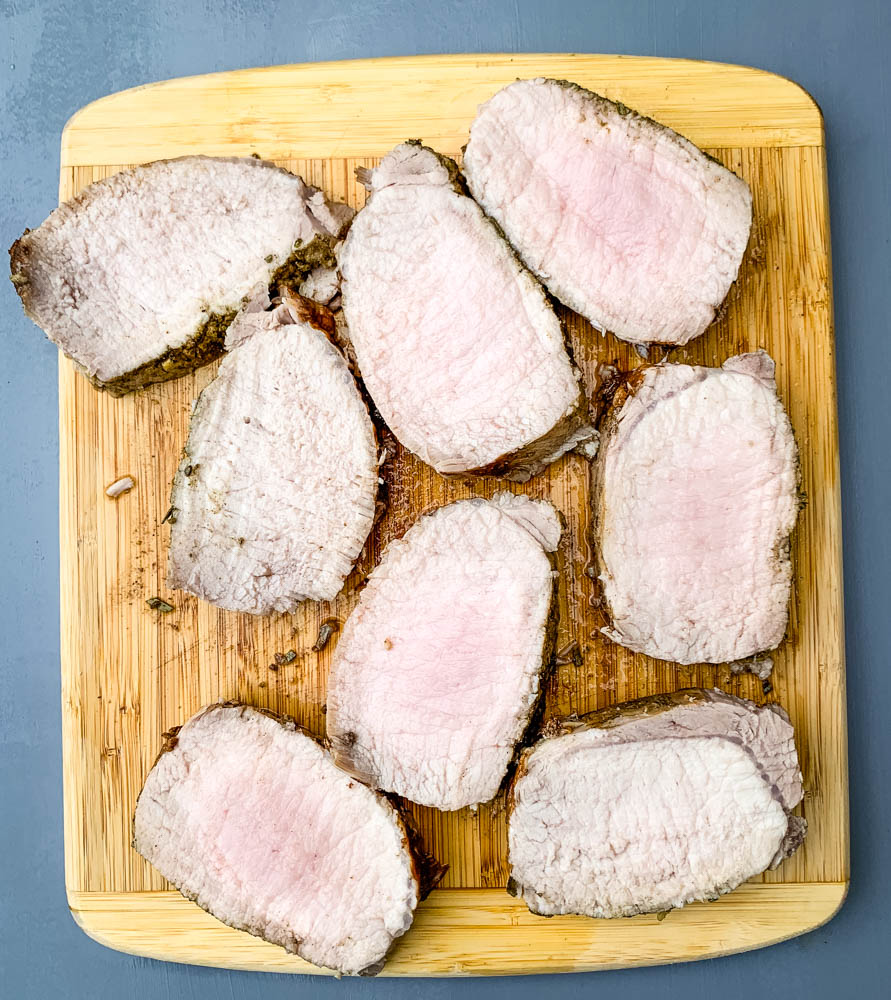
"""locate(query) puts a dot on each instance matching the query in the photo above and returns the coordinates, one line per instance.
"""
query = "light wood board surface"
(129, 673)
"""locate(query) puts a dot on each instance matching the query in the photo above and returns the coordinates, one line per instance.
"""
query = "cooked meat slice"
(439, 667)
(275, 494)
(624, 220)
(696, 494)
(649, 806)
(138, 277)
(618, 829)
(457, 342)
(249, 817)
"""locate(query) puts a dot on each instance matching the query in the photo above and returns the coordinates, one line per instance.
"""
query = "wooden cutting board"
(129, 673)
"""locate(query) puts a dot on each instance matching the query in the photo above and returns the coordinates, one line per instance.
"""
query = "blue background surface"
(57, 56)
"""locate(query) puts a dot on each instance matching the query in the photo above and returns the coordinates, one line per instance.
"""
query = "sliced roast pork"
(275, 493)
(249, 817)
(457, 343)
(624, 220)
(651, 805)
(439, 667)
(138, 276)
(696, 494)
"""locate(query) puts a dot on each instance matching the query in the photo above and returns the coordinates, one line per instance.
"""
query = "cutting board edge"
(100, 120)
(489, 935)
(90, 923)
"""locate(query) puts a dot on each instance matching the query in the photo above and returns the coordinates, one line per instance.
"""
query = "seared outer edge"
(427, 869)
(613, 716)
(309, 311)
(533, 729)
(205, 345)
(305, 257)
(573, 429)
(615, 388)
(625, 111)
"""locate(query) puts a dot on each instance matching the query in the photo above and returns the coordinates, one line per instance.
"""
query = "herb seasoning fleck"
(157, 604)
(326, 630)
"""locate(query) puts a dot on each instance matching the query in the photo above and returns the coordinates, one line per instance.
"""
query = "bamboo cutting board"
(129, 673)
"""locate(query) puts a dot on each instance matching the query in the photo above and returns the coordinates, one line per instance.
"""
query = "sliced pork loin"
(651, 805)
(275, 494)
(249, 817)
(457, 343)
(696, 493)
(439, 667)
(138, 276)
(624, 220)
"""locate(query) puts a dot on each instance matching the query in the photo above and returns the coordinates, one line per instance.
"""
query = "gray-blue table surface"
(57, 55)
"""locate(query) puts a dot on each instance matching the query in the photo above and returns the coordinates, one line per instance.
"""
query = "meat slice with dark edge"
(439, 668)
(275, 494)
(457, 342)
(654, 804)
(624, 220)
(695, 496)
(138, 276)
(249, 817)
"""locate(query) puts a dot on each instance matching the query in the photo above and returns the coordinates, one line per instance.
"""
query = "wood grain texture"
(129, 673)
(364, 107)
(475, 932)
